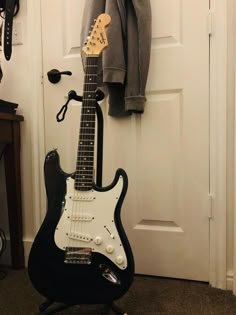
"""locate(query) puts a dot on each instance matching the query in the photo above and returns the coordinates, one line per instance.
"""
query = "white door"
(165, 151)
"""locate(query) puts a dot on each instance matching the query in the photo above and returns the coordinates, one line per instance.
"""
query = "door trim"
(218, 141)
(234, 223)
(218, 124)
(34, 22)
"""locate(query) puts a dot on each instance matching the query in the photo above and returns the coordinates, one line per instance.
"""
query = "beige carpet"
(147, 296)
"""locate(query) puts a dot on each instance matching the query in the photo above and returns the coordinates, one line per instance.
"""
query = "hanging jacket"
(124, 64)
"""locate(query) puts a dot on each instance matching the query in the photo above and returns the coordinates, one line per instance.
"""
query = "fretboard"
(84, 175)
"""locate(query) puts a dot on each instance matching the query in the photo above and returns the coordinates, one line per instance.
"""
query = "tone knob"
(98, 240)
(109, 249)
(119, 260)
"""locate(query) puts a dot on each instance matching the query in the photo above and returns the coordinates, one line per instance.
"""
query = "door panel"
(165, 151)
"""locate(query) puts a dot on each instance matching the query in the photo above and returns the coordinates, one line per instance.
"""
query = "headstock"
(97, 40)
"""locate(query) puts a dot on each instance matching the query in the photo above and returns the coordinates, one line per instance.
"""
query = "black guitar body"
(75, 283)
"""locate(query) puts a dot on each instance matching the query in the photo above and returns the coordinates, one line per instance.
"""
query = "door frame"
(218, 126)
(218, 143)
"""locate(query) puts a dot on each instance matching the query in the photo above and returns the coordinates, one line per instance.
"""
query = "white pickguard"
(87, 221)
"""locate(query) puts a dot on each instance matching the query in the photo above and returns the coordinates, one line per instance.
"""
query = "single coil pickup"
(81, 217)
(80, 236)
(76, 255)
(77, 261)
(82, 197)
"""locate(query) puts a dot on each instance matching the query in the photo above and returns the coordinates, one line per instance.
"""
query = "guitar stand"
(50, 307)
(72, 95)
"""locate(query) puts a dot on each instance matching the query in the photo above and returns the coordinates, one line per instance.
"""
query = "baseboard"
(230, 280)
(6, 260)
(6, 256)
(27, 247)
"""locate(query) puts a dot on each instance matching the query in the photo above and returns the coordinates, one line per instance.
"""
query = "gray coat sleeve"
(138, 53)
(124, 64)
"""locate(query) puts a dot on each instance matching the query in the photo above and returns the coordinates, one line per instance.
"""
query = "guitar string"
(89, 118)
(86, 139)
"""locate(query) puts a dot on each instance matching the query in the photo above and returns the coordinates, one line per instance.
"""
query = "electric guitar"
(81, 254)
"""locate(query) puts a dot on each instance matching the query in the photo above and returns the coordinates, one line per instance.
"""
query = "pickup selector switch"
(109, 249)
(98, 240)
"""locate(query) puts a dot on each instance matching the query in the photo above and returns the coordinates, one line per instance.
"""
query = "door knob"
(54, 75)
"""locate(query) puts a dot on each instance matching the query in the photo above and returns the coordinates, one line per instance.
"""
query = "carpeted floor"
(147, 296)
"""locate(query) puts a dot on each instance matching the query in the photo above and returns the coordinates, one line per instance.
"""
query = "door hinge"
(42, 77)
(210, 22)
(210, 207)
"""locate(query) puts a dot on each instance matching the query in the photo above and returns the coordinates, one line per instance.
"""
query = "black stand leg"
(112, 306)
(49, 308)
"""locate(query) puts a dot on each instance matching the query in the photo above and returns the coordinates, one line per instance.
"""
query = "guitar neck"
(84, 175)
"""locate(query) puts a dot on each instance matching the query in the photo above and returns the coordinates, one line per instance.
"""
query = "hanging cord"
(3, 242)
(2, 152)
(3, 245)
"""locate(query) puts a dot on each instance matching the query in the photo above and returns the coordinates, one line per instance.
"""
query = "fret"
(84, 151)
(89, 81)
(87, 129)
(78, 181)
(90, 115)
(78, 163)
(84, 175)
(86, 142)
(86, 137)
(82, 165)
